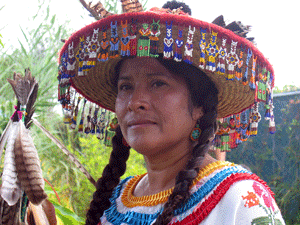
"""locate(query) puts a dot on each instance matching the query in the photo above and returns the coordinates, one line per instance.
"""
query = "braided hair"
(109, 180)
(203, 93)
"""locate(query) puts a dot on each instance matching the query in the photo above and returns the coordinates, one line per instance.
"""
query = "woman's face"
(153, 107)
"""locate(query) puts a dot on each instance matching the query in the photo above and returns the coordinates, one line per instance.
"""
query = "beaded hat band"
(241, 73)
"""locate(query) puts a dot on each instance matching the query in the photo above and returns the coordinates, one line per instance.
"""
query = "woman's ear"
(197, 113)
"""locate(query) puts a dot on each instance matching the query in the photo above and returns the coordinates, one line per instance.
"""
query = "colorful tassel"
(125, 49)
(80, 57)
(189, 47)
(144, 41)
(222, 54)
(212, 50)
(178, 46)
(103, 54)
(132, 36)
(87, 128)
(85, 66)
(94, 120)
(155, 32)
(74, 119)
(245, 77)
(168, 42)
(244, 127)
(202, 45)
(114, 40)
(252, 79)
(232, 60)
(93, 47)
(238, 73)
(255, 117)
(80, 127)
(71, 60)
(101, 125)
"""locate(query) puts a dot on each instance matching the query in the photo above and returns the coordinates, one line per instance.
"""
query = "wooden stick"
(66, 151)
(97, 10)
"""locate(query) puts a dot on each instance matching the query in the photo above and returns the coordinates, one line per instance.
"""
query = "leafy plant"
(1, 43)
(275, 157)
(66, 216)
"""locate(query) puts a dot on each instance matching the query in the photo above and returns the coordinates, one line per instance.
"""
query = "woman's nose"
(139, 100)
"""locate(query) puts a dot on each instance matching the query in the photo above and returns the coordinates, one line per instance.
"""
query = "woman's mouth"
(140, 123)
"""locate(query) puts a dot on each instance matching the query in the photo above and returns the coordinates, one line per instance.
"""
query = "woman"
(167, 111)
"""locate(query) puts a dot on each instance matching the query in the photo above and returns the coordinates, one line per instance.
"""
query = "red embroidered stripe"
(210, 203)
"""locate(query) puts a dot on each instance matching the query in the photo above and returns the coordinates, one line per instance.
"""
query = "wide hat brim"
(232, 62)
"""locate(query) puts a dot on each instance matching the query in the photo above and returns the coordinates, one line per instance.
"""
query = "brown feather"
(4, 137)
(40, 218)
(10, 215)
(30, 107)
(49, 210)
(28, 166)
(23, 86)
(97, 10)
(11, 188)
(100, 10)
(131, 6)
(219, 21)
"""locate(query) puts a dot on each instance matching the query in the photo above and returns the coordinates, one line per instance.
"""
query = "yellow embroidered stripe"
(131, 201)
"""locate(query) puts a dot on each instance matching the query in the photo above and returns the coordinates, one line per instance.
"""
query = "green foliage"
(39, 53)
(66, 215)
(74, 189)
(1, 43)
(276, 157)
(95, 157)
(286, 88)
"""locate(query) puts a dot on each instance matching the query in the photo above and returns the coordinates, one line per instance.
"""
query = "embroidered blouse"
(222, 193)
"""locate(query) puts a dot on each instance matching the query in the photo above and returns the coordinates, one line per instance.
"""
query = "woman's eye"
(125, 87)
(158, 84)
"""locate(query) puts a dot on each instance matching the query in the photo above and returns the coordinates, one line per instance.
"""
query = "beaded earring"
(196, 132)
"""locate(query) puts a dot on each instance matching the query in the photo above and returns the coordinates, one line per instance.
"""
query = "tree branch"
(66, 151)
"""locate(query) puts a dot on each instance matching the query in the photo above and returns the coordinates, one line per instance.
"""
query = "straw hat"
(243, 76)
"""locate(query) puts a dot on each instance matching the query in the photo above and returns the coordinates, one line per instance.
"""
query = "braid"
(207, 98)
(184, 178)
(109, 180)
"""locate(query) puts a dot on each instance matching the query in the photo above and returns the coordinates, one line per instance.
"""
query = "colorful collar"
(151, 200)
(204, 195)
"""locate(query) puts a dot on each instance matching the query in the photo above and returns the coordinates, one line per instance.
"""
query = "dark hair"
(175, 5)
(109, 180)
(203, 94)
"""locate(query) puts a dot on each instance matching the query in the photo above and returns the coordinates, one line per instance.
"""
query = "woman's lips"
(140, 123)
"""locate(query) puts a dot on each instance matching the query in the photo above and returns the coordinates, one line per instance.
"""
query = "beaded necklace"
(130, 201)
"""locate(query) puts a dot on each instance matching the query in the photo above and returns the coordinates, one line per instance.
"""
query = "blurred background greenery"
(275, 158)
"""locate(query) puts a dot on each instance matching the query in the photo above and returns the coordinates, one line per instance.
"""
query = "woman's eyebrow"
(125, 78)
(155, 74)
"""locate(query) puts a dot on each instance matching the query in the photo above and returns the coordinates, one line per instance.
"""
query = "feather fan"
(11, 189)
(28, 166)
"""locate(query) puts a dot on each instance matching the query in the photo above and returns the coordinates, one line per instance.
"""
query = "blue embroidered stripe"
(197, 196)
(116, 218)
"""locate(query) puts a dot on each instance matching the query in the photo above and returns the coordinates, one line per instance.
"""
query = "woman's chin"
(143, 143)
